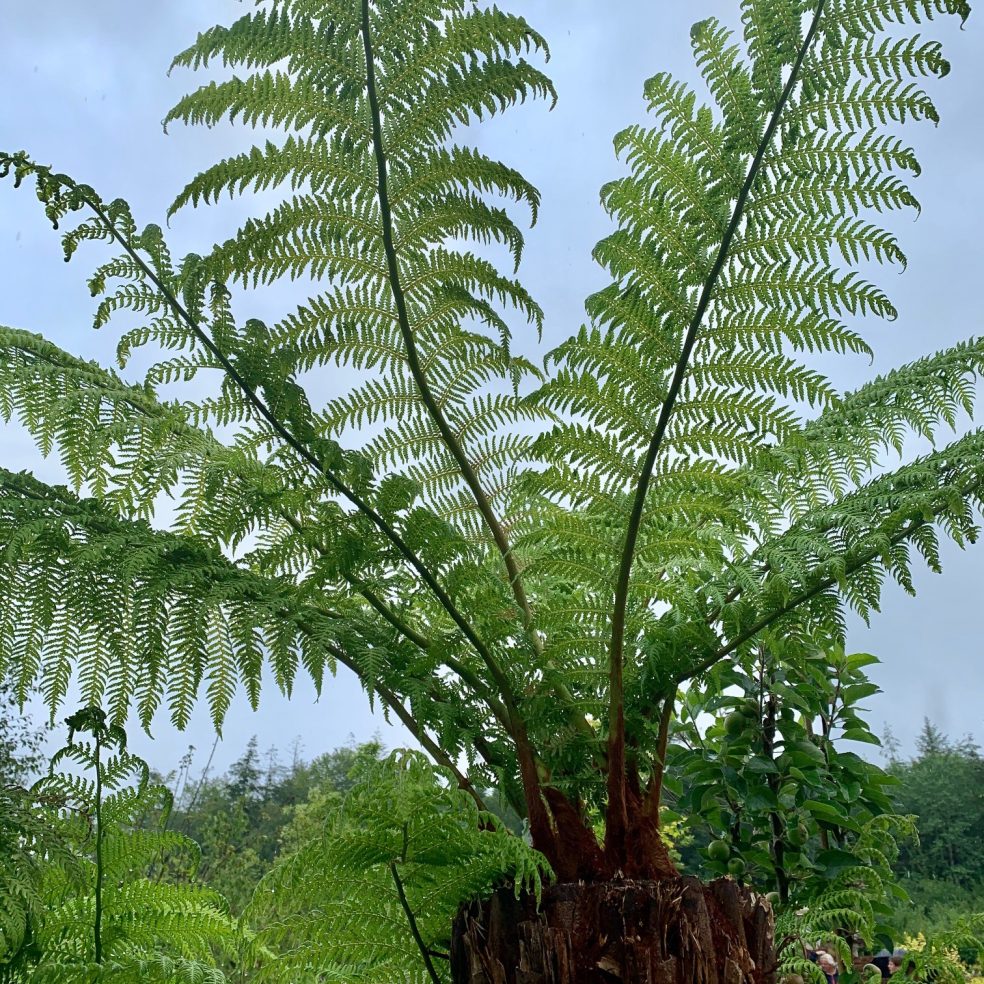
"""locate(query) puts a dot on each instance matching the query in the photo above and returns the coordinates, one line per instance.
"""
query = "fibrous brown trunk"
(671, 931)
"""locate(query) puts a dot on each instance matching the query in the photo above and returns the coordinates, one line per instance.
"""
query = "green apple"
(719, 850)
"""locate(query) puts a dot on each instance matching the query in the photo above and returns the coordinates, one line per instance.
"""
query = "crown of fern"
(452, 537)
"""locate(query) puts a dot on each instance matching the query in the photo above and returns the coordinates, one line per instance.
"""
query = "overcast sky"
(84, 88)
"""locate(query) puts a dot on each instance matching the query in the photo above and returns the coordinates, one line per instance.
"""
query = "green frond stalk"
(617, 803)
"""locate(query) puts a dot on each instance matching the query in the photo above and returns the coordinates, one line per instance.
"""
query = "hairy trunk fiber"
(671, 931)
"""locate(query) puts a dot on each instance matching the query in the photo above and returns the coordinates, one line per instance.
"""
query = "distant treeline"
(263, 806)
(942, 784)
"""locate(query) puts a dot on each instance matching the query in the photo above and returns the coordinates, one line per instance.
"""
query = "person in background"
(901, 961)
(880, 960)
(828, 965)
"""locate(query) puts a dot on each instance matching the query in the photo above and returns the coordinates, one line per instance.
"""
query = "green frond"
(326, 167)
(837, 553)
(847, 442)
(809, 208)
(403, 828)
(271, 99)
(93, 905)
(138, 628)
(434, 67)
(461, 168)
(729, 81)
(309, 236)
(261, 38)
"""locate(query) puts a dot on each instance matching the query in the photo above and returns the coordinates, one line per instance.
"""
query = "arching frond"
(383, 203)
(405, 849)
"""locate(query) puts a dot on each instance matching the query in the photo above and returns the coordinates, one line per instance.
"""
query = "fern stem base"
(672, 931)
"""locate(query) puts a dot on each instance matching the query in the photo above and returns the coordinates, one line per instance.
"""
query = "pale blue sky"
(85, 87)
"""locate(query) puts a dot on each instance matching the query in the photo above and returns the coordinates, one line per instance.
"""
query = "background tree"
(259, 809)
(22, 741)
(507, 553)
(944, 786)
(943, 871)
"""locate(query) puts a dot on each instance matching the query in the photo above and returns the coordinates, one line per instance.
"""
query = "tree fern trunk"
(672, 931)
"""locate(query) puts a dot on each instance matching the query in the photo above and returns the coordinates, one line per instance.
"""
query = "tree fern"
(522, 564)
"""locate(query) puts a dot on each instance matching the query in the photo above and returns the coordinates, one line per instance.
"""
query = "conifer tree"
(524, 564)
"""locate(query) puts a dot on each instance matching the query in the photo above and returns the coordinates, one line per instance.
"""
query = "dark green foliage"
(29, 845)
(935, 906)
(943, 871)
(783, 785)
(247, 818)
(944, 786)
